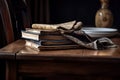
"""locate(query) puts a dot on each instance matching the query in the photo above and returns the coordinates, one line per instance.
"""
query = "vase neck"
(104, 5)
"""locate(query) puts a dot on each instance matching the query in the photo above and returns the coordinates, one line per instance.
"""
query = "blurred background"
(57, 11)
(52, 12)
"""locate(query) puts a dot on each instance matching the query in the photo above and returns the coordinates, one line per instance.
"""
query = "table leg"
(10, 70)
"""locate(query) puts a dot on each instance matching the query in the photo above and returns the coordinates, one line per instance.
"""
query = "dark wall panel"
(81, 10)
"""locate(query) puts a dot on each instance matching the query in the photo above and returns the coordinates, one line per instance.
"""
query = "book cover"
(29, 35)
(50, 45)
(43, 36)
(49, 42)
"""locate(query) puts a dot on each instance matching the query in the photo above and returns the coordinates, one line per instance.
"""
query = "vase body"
(104, 17)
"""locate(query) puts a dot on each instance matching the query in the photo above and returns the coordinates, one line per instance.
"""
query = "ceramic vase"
(104, 17)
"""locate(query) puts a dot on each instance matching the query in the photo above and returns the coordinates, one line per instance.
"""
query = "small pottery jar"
(104, 17)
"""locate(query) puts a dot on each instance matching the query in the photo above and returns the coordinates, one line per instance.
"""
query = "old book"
(40, 47)
(37, 36)
(66, 25)
(49, 42)
(32, 44)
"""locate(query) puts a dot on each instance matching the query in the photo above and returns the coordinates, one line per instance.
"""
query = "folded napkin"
(82, 39)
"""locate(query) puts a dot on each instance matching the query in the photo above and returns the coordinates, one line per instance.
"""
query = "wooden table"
(79, 64)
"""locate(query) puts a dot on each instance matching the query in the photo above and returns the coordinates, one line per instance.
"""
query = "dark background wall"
(81, 10)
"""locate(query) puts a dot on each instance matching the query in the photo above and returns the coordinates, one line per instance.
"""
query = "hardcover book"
(42, 36)
(51, 44)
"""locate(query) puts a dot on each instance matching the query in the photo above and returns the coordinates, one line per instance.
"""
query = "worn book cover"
(49, 42)
(51, 45)
(42, 36)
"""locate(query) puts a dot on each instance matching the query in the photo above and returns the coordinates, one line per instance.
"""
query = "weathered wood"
(9, 51)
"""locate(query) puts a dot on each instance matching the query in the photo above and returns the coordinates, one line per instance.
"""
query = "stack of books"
(46, 37)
